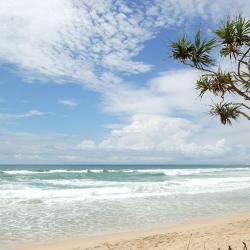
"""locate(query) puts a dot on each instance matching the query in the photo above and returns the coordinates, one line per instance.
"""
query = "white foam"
(186, 171)
(76, 182)
(178, 181)
(90, 190)
(29, 172)
(23, 172)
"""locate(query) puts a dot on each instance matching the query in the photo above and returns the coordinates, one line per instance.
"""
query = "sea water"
(43, 203)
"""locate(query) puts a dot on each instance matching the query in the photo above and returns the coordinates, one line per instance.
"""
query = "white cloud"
(86, 40)
(10, 116)
(86, 144)
(208, 150)
(68, 157)
(68, 102)
(17, 147)
(96, 43)
(31, 113)
(144, 139)
(27, 157)
(148, 132)
(76, 39)
(153, 129)
(169, 93)
(156, 134)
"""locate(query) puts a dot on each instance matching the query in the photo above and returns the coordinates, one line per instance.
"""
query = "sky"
(92, 82)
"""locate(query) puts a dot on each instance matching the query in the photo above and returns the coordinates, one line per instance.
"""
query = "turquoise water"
(41, 203)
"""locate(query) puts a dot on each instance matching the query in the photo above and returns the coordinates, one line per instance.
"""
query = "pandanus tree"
(231, 87)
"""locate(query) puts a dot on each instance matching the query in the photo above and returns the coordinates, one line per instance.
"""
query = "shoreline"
(212, 232)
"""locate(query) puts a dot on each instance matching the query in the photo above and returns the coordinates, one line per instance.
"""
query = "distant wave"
(167, 172)
(28, 172)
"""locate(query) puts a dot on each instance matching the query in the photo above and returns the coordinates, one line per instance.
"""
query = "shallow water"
(40, 203)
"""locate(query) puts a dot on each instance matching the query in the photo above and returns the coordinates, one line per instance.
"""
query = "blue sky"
(92, 82)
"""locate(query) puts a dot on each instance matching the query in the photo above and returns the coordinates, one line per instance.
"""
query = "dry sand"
(209, 233)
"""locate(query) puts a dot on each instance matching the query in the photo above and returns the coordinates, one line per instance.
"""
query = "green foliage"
(182, 49)
(196, 52)
(218, 84)
(233, 34)
(202, 85)
(233, 40)
(200, 54)
(226, 112)
(246, 84)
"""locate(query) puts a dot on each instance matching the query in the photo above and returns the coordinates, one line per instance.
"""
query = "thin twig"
(245, 245)
(189, 241)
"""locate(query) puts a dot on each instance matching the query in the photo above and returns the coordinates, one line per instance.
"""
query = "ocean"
(43, 203)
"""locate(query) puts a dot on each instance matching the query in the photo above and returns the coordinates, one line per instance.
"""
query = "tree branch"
(239, 65)
(199, 68)
(245, 115)
(240, 92)
(241, 104)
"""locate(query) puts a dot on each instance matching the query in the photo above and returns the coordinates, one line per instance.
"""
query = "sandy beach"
(208, 233)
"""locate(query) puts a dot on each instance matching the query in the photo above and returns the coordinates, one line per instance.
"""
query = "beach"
(87, 205)
(207, 233)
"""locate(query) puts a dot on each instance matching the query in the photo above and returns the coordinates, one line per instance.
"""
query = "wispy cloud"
(94, 42)
(68, 102)
(11, 116)
(77, 39)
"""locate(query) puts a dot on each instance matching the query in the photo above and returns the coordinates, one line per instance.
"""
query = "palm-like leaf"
(181, 49)
(221, 83)
(197, 53)
(218, 84)
(202, 85)
(201, 49)
(233, 34)
(226, 112)
(246, 83)
(226, 32)
(242, 30)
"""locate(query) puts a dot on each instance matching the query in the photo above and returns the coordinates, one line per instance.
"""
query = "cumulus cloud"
(142, 140)
(149, 132)
(154, 130)
(158, 135)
